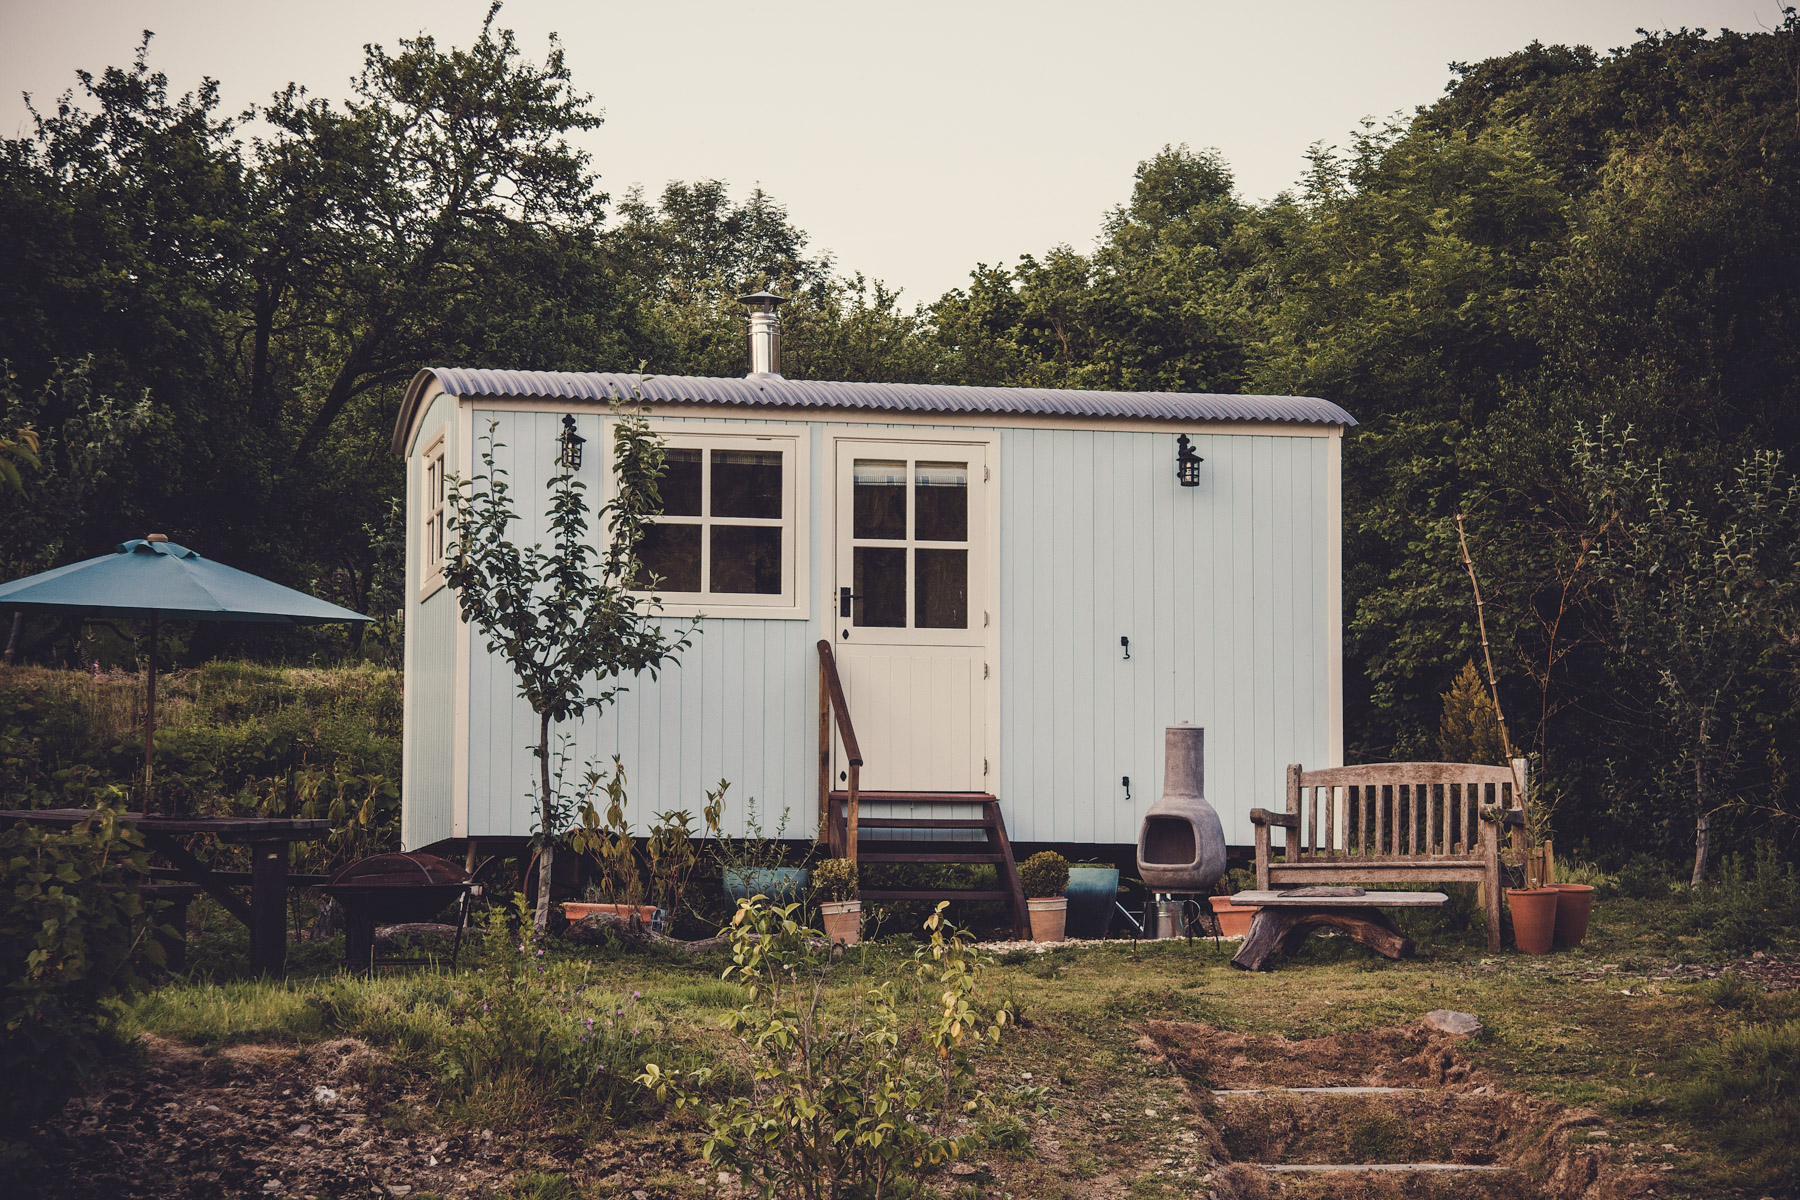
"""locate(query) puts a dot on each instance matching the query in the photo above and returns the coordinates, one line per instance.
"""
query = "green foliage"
(1469, 731)
(1644, 877)
(1746, 1090)
(1701, 603)
(835, 879)
(609, 843)
(1045, 873)
(1754, 905)
(568, 621)
(842, 1104)
(527, 1035)
(234, 739)
(71, 921)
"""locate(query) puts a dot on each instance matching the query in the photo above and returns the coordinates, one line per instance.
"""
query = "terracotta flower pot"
(1048, 913)
(843, 921)
(1534, 918)
(575, 910)
(1574, 904)
(1234, 919)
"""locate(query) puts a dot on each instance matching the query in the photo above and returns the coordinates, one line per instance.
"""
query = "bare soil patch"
(332, 1119)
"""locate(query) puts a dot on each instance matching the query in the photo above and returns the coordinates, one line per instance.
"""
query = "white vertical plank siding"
(430, 657)
(1221, 589)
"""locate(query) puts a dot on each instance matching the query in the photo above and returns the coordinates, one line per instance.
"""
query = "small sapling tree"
(566, 618)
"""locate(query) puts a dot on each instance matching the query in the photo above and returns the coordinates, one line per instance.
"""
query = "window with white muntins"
(431, 546)
(728, 537)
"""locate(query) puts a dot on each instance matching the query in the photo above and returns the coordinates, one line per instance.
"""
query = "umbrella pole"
(150, 721)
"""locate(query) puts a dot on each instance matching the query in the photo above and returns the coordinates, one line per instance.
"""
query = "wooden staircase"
(841, 821)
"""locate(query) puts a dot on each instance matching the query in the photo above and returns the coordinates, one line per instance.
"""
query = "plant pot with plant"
(839, 906)
(755, 864)
(1045, 879)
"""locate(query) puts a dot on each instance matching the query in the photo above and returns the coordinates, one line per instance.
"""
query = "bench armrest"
(1262, 816)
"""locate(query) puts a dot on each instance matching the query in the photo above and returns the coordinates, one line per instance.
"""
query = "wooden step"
(942, 894)
(922, 823)
(932, 856)
(919, 797)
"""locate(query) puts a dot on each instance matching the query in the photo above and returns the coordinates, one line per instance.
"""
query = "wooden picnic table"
(1285, 917)
(268, 839)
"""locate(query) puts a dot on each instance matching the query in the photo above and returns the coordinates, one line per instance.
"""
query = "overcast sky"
(910, 140)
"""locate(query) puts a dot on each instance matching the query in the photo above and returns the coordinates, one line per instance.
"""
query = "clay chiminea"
(1181, 844)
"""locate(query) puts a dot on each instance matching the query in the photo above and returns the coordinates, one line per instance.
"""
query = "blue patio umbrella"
(152, 578)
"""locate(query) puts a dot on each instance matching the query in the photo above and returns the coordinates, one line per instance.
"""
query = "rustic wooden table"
(1284, 918)
(268, 839)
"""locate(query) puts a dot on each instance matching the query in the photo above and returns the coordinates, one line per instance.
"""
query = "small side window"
(431, 508)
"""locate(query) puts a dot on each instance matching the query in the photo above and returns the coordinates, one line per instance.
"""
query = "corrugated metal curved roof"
(776, 392)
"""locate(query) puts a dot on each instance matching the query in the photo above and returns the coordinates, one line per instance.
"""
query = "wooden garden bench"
(1394, 823)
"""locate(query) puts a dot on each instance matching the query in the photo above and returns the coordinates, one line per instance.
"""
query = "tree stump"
(1278, 930)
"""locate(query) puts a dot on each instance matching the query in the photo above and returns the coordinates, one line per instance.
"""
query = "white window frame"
(794, 445)
(434, 510)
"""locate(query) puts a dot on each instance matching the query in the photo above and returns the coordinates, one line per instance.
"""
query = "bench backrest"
(1424, 811)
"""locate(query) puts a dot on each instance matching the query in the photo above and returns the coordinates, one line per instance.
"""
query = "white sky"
(911, 140)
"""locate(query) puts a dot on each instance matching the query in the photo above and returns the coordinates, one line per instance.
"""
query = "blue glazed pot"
(782, 885)
(1092, 893)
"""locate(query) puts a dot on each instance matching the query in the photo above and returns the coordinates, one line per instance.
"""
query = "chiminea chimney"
(765, 332)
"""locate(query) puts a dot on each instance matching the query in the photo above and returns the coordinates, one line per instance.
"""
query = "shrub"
(530, 1034)
(71, 920)
(1045, 873)
(1752, 906)
(842, 1104)
(1644, 877)
(835, 879)
(1747, 1089)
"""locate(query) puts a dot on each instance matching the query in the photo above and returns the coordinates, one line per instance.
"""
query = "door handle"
(844, 599)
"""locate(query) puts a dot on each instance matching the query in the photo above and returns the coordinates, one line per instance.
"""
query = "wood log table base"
(1284, 919)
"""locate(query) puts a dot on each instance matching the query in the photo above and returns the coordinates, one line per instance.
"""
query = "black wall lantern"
(571, 445)
(1187, 463)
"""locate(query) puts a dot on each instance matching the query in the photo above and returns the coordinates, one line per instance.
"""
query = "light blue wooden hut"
(1019, 588)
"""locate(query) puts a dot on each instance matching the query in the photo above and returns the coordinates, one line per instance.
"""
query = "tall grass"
(1747, 1089)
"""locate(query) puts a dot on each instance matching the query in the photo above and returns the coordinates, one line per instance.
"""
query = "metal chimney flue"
(765, 332)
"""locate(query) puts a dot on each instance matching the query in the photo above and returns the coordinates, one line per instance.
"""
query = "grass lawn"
(1611, 1027)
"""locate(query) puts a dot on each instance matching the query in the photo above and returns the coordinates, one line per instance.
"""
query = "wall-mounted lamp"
(1187, 463)
(571, 442)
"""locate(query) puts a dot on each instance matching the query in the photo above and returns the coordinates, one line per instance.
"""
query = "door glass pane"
(746, 483)
(880, 492)
(746, 558)
(880, 586)
(941, 501)
(941, 589)
(671, 552)
(681, 487)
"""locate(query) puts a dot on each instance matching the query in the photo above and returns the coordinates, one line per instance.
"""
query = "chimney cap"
(763, 301)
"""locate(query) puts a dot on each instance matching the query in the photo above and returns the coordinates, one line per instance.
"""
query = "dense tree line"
(1563, 299)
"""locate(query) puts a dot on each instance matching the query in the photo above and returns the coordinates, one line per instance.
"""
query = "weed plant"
(1753, 905)
(854, 1102)
(1747, 1088)
(526, 1036)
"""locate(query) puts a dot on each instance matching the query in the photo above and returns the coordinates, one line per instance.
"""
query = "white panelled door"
(913, 607)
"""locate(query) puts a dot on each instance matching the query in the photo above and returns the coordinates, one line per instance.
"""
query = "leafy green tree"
(566, 619)
(1706, 607)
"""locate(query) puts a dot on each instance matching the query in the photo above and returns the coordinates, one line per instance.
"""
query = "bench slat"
(1274, 899)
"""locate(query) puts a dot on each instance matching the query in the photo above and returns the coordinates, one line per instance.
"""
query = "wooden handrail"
(831, 702)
